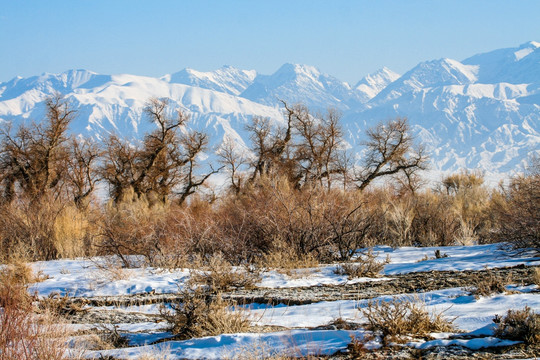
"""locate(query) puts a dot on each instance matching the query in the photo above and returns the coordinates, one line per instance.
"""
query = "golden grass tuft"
(365, 266)
(403, 316)
(489, 283)
(218, 274)
(25, 335)
(201, 314)
(519, 325)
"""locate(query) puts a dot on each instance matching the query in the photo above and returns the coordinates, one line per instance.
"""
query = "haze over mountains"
(482, 112)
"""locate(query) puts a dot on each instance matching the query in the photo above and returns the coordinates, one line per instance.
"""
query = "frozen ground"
(83, 277)
(305, 324)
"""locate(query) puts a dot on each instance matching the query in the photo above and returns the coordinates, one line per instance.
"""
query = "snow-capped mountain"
(372, 84)
(227, 79)
(299, 83)
(482, 112)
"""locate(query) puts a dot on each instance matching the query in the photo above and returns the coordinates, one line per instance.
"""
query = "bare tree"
(82, 175)
(193, 144)
(34, 157)
(318, 144)
(269, 146)
(306, 151)
(233, 160)
(390, 150)
(164, 163)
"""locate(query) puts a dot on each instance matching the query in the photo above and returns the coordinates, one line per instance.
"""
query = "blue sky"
(347, 39)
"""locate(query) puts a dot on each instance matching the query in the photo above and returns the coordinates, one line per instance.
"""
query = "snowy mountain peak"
(227, 79)
(373, 83)
(294, 71)
(428, 74)
(299, 83)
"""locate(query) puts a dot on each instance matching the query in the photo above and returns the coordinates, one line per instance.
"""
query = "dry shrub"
(201, 314)
(59, 306)
(519, 214)
(519, 325)
(44, 230)
(489, 283)
(536, 276)
(357, 347)
(366, 265)
(470, 203)
(271, 215)
(399, 218)
(403, 316)
(27, 229)
(24, 335)
(19, 272)
(74, 231)
(218, 274)
(434, 223)
(287, 262)
(131, 227)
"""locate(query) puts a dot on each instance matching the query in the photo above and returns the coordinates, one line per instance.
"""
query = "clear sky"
(344, 38)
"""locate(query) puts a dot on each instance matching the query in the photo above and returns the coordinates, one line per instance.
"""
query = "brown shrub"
(403, 316)
(285, 261)
(536, 276)
(218, 274)
(519, 325)
(201, 314)
(488, 284)
(519, 215)
(44, 230)
(271, 215)
(130, 228)
(23, 335)
(366, 265)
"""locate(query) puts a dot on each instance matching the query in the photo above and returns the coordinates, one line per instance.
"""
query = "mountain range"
(479, 113)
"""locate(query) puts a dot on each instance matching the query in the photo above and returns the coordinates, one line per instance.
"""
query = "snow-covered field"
(303, 323)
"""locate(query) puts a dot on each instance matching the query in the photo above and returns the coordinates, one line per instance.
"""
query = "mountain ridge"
(482, 112)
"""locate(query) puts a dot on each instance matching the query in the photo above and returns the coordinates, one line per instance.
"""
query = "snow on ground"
(470, 314)
(90, 277)
(478, 257)
(96, 277)
(232, 346)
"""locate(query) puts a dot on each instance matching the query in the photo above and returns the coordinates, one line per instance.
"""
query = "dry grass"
(200, 314)
(218, 274)
(59, 306)
(488, 284)
(286, 261)
(365, 266)
(519, 325)
(23, 334)
(403, 316)
(19, 272)
(74, 231)
(536, 276)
